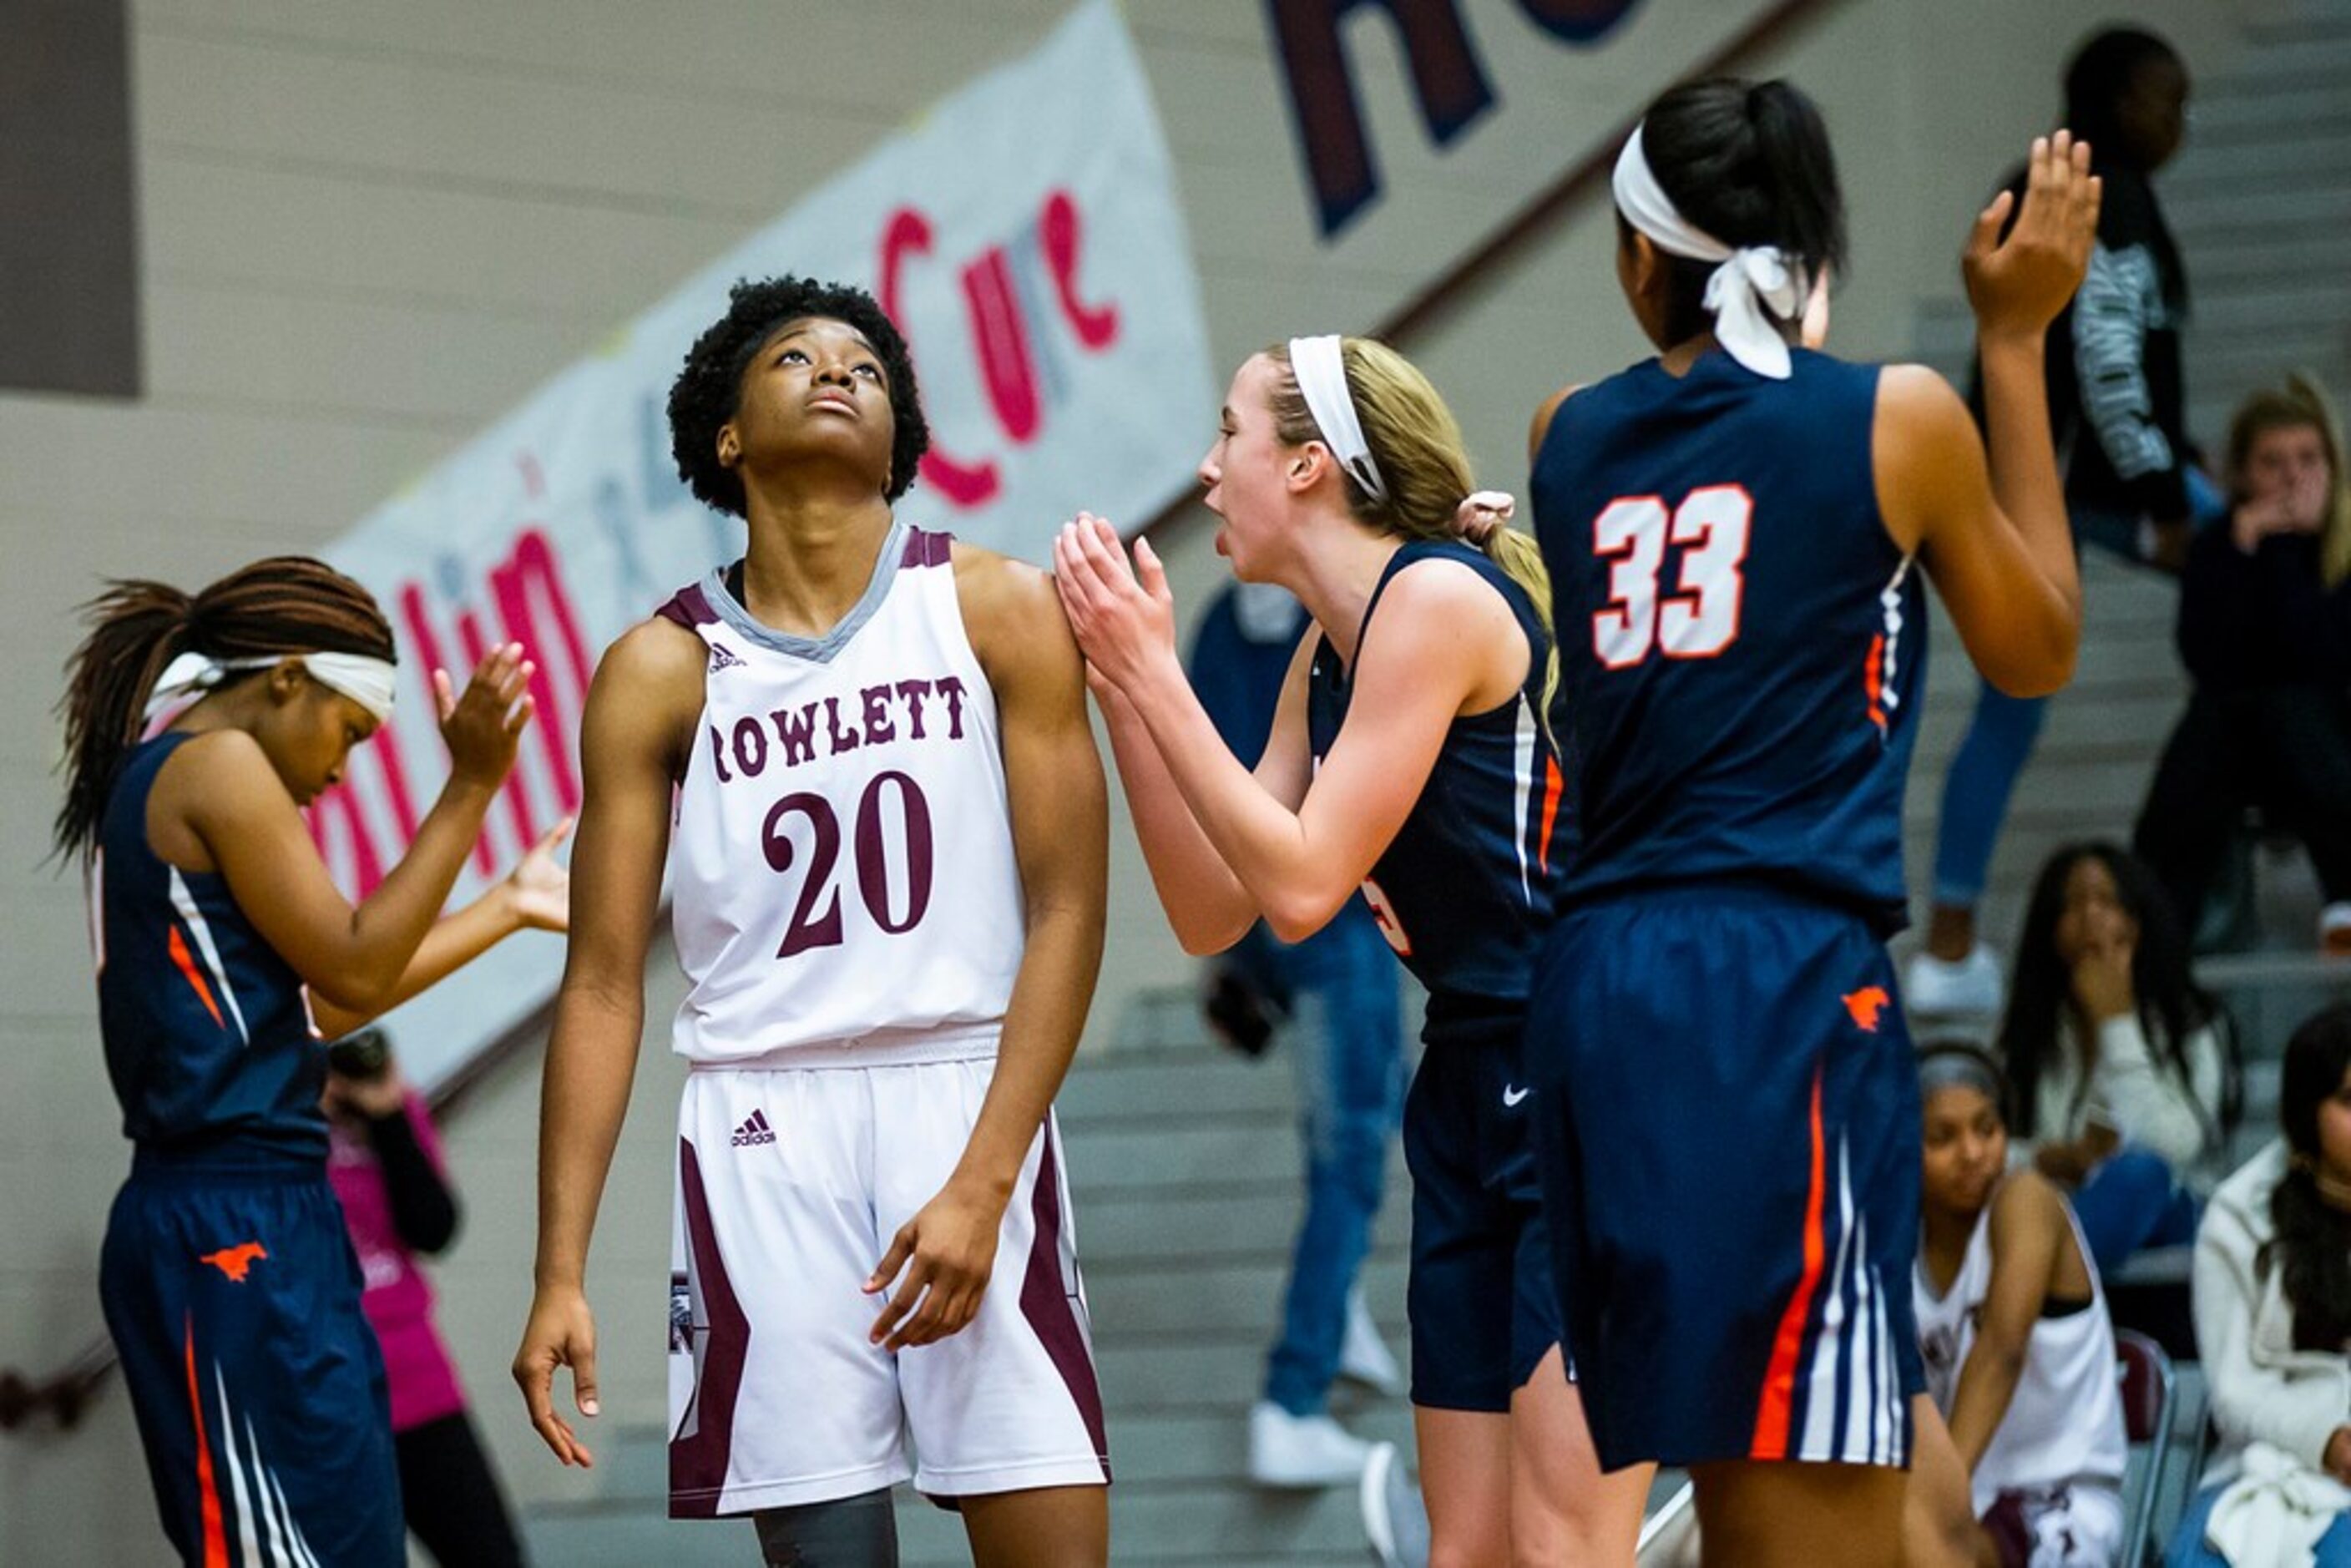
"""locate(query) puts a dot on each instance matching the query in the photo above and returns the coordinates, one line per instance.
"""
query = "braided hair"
(286, 605)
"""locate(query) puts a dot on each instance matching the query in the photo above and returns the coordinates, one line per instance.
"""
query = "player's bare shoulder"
(648, 691)
(1924, 450)
(1012, 616)
(1539, 428)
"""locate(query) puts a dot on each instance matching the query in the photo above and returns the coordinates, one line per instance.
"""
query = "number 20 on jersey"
(1699, 618)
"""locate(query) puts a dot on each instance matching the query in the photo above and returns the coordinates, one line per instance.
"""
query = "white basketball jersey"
(2066, 1423)
(842, 869)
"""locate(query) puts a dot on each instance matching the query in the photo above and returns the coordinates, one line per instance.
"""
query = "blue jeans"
(2188, 1549)
(1350, 1065)
(1976, 789)
(2131, 1202)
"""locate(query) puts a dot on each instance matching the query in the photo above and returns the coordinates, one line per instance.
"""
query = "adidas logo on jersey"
(754, 1131)
(722, 657)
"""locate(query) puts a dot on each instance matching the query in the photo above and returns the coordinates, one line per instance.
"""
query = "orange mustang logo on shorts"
(1866, 1004)
(234, 1260)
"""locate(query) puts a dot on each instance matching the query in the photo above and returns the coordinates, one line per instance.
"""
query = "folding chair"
(2143, 1374)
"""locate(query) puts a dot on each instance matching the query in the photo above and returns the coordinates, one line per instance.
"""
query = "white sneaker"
(1941, 987)
(1364, 1355)
(1394, 1521)
(1287, 1451)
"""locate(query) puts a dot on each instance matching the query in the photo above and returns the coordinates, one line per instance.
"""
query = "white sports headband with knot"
(1751, 278)
(368, 682)
(1321, 372)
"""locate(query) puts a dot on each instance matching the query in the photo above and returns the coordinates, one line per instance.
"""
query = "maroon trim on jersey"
(690, 607)
(1049, 1304)
(697, 1464)
(926, 548)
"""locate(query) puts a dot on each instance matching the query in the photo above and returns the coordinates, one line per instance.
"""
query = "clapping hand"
(539, 889)
(1122, 614)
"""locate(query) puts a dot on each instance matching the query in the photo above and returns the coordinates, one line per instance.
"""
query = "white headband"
(1321, 372)
(368, 682)
(1751, 280)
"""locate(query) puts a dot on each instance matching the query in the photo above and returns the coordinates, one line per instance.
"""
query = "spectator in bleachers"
(2273, 1288)
(1340, 984)
(2116, 396)
(2120, 1062)
(2013, 1329)
(2265, 631)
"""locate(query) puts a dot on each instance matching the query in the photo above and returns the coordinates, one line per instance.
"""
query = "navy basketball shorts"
(234, 1300)
(1482, 1306)
(1728, 1139)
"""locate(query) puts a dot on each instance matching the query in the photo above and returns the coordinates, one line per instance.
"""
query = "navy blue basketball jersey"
(1742, 647)
(207, 1032)
(1463, 891)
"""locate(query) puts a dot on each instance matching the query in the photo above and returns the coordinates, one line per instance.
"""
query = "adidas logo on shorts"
(754, 1131)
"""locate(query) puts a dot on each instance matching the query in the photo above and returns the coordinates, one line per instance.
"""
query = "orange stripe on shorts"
(1772, 1418)
(215, 1537)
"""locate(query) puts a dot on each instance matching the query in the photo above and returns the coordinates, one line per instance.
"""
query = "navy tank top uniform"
(1462, 893)
(1730, 1134)
(1745, 647)
(226, 1278)
(208, 1038)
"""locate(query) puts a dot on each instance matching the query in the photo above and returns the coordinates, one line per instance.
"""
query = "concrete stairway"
(2257, 200)
(2098, 743)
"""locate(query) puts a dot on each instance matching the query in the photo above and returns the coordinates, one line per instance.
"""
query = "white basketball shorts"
(791, 1184)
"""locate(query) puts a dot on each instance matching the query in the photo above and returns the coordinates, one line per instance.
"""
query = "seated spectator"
(2265, 631)
(2013, 1325)
(2273, 1321)
(2120, 1064)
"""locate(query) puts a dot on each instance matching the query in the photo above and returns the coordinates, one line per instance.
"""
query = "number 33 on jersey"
(1699, 618)
(842, 860)
(1742, 709)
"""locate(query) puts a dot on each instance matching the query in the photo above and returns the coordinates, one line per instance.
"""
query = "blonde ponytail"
(1417, 445)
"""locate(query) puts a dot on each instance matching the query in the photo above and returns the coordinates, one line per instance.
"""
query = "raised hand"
(1123, 616)
(483, 727)
(2019, 284)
